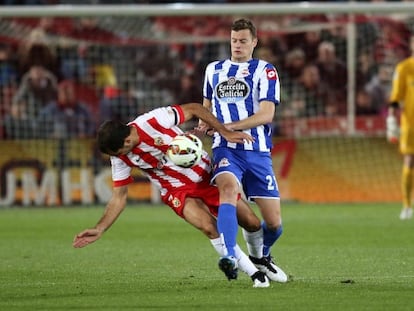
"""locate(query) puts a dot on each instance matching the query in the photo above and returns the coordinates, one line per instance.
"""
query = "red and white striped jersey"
(156, 129)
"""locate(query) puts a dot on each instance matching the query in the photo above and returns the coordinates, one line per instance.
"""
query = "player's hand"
(86, 237)
(392, 129)
(203, 129)
(237, 137)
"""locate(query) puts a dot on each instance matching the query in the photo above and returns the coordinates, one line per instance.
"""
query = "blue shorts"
(254, 171)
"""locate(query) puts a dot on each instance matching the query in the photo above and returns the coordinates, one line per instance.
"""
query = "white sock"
(219, 246)
(244, 262)
(254, 242)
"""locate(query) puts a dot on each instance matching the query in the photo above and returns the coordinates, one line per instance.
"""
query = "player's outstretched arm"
(113, 209)
(196, 110)
(264, 115)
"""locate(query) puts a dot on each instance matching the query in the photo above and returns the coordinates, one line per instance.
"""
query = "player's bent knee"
(274, 226)
(210, 231)
(251, 224)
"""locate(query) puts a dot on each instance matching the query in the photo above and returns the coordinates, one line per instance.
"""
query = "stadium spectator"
(391, 45)
(337, 35)
(308, 42)
(142, 143)
(35, 51)
(309, 95)
(189, 91)
(17, 123)
(6, 97)
(65, 117)
(366, 67)
(74, 63)
(295, 61)
(333, 73)
(8, 81)
(402, 97)
(379, 88)
(364, 104)
(118, 104)
(37, 87)
(8, 66)
(232, 90)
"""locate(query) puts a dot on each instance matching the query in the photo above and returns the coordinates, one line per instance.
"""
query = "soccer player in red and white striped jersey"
(143, 143)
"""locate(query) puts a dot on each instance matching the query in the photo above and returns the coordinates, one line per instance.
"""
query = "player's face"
(242, 45)
(126, 148)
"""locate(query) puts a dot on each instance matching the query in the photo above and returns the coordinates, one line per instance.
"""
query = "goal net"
(334, 61)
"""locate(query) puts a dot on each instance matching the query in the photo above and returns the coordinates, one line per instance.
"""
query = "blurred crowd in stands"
(61, 77)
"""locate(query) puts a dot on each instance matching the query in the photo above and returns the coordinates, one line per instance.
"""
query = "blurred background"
(66, 66)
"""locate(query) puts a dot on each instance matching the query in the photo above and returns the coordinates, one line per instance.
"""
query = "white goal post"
(183, 9)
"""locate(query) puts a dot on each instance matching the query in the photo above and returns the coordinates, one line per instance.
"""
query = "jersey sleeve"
(121, 172)
(178, 114)
(398, 85)
(269, 85)
(207, 86)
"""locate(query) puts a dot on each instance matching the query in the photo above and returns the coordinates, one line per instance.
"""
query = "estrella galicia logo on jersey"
(271, 74)
(158, 141)
(232, 90)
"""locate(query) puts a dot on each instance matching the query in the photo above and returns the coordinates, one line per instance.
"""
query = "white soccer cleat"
(406, 213)
(260, 280)
(267, 266)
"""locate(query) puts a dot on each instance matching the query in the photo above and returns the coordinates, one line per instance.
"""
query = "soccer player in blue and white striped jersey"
(243, 92)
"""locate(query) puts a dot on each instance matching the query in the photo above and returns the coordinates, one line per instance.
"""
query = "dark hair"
(242, 24)
(111, 136)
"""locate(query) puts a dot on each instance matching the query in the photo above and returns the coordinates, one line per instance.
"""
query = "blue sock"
(269, 238)
(228, 226)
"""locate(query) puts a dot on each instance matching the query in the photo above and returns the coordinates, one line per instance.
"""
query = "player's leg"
(251, 228)
(197, 214)
(407, 186)
(226, 177)
(260, 185)
(227, 213)
(272, 230)
(272, 222)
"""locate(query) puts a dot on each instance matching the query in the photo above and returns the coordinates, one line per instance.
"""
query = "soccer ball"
(185, 150)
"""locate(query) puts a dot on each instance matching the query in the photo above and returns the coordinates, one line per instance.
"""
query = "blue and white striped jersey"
(235, 91)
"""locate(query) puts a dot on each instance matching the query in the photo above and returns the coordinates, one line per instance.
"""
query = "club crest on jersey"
(158, 141)
(160, 164)
(271, 74)
(245, 72)
(232, 90)
(176, 202)
(224, 162)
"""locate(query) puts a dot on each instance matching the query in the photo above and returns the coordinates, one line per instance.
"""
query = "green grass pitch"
(339, 257)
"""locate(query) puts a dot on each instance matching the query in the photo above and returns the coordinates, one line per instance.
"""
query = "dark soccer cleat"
(229, 266)
(267, 266)
(260, 280)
